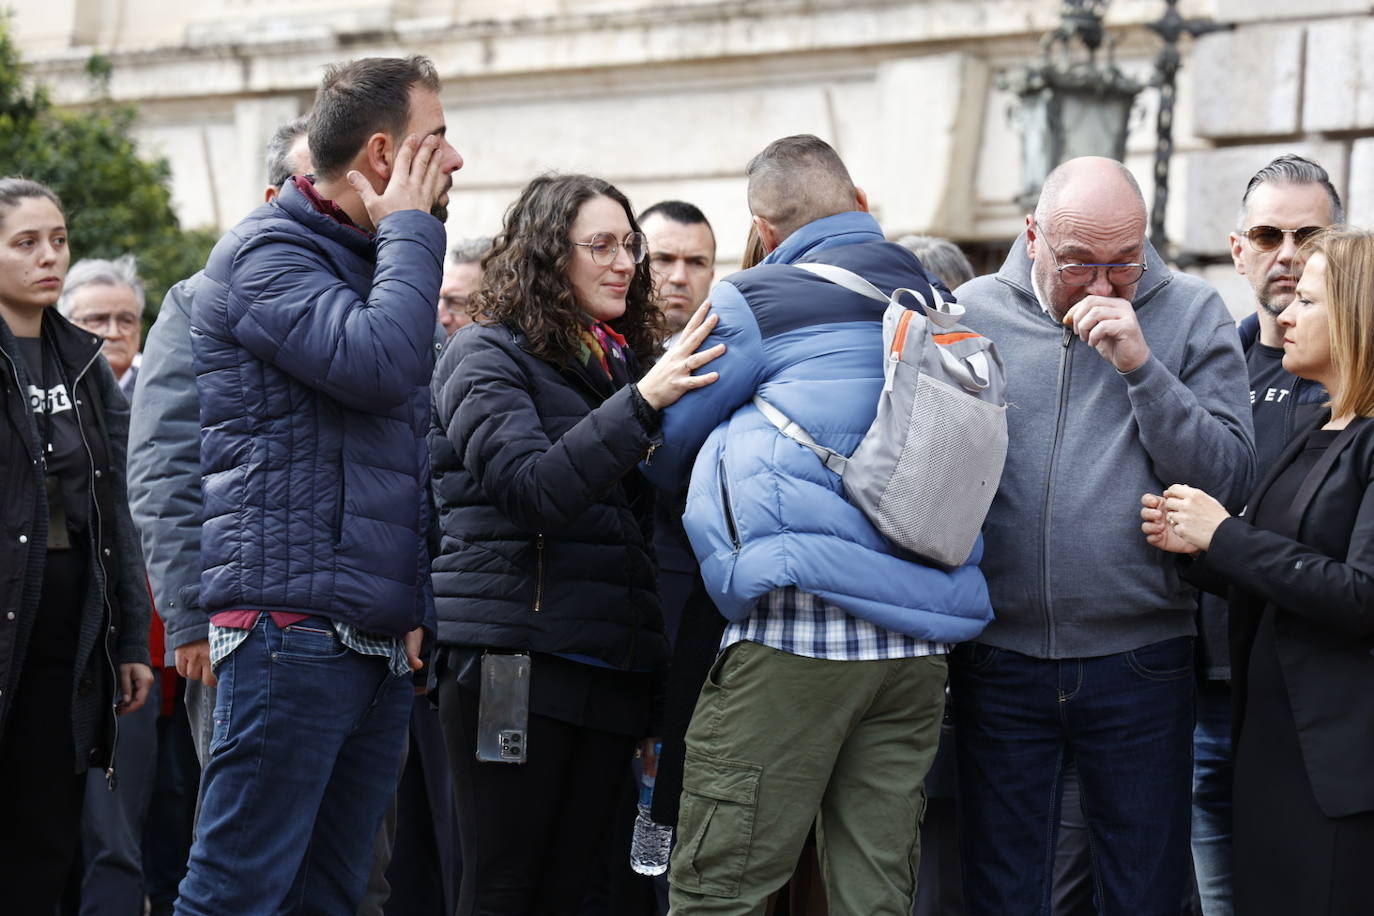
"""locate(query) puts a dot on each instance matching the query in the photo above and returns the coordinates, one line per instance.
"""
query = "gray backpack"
(927, 469)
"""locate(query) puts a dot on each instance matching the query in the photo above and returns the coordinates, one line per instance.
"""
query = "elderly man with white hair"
(106, 298)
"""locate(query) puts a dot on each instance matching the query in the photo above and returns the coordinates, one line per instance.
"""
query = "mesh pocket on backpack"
(939, 493)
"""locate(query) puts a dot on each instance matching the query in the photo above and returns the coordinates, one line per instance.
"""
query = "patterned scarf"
(603, 347)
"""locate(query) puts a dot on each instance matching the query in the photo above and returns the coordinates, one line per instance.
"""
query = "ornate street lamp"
(1071, 104)
(1170, 27)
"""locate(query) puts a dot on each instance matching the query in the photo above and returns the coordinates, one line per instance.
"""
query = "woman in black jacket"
(1300, 571)
(73, 604)
(541, 418)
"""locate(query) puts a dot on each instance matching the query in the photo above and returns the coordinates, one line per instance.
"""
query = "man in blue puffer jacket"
(312, 332)
(828, 694)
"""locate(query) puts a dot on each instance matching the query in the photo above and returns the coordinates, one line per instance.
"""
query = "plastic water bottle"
(652, 842)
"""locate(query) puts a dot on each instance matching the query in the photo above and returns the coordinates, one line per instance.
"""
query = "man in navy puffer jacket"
(312, 333)
(826, 700)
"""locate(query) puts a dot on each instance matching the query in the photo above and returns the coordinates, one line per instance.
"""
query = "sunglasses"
(1267, 238)
(603, 247)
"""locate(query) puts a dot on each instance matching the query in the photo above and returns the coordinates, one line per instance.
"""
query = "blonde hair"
(1349, 283)
(753, 249)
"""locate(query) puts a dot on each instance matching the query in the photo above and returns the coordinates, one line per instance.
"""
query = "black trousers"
(40, 791)
(533, 836)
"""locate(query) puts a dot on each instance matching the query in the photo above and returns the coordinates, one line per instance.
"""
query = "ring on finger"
(1173, 520)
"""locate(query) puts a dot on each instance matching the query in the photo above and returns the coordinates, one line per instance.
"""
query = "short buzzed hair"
(798, 180)
(679, 211)
(279, 150)
(360, 98)
(1291, 169)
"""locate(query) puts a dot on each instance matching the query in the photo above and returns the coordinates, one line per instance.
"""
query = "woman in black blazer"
(1298, 568)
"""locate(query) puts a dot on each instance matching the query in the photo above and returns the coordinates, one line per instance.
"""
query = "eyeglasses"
(123, 321)
(603, 247)
(1123, 274)
(1267, 238)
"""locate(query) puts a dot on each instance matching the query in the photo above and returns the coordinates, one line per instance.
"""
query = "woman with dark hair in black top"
(543, 411)
(73, 601)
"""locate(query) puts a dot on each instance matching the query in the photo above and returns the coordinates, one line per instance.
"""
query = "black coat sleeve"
(1301, 579)
(486, 404)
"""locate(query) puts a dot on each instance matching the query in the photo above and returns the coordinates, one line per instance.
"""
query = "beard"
(1267, 297)
(440, 210)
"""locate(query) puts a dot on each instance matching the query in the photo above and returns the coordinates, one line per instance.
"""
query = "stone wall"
(671, 97)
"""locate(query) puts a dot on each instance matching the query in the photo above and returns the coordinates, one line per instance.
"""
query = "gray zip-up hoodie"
(1068, 568)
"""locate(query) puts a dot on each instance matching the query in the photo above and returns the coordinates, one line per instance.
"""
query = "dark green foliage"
(116, 200)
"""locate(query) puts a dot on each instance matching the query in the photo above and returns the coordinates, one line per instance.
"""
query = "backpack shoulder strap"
(841, 276)
(792, 430)
(941, 313)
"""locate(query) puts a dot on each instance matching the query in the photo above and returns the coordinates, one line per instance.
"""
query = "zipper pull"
(649, 455)
(1068, 337)
(111, 781)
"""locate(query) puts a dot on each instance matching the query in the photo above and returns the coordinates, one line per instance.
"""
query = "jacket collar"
(1293, 516)
(827, 232)
(569, 365)
(299, 207)
(76, 348)
(1016, 273)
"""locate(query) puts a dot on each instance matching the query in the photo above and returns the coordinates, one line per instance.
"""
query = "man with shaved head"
(1123, 377)
(825, 702)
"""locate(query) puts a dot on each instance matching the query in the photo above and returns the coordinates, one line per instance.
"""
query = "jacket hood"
(827, 232)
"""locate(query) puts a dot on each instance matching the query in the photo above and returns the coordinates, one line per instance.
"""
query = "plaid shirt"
(799, 623)
(224, 640)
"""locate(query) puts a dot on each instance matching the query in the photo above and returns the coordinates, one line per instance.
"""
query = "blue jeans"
(303, 762)
(1126, 720)
(1212, 771)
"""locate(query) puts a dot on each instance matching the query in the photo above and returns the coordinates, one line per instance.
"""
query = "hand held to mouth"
(1109, 325)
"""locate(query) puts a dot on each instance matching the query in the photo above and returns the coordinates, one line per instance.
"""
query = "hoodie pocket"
(731, 527)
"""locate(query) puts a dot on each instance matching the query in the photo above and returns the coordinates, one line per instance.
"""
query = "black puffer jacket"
(114, 619)
(545, 520)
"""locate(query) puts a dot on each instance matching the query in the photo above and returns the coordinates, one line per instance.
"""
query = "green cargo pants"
(778, 741)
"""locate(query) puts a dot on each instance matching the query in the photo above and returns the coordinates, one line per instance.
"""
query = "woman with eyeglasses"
(1298, 569)
(543, 411)
(73, 605)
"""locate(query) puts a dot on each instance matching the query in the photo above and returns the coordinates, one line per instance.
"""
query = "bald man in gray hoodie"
(1122, 376)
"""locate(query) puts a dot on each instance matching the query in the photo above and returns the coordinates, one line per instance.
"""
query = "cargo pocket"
(716, 823)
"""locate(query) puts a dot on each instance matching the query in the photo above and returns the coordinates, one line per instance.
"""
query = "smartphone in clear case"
(503, 708)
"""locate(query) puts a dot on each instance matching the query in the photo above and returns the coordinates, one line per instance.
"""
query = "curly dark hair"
(525, 275)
